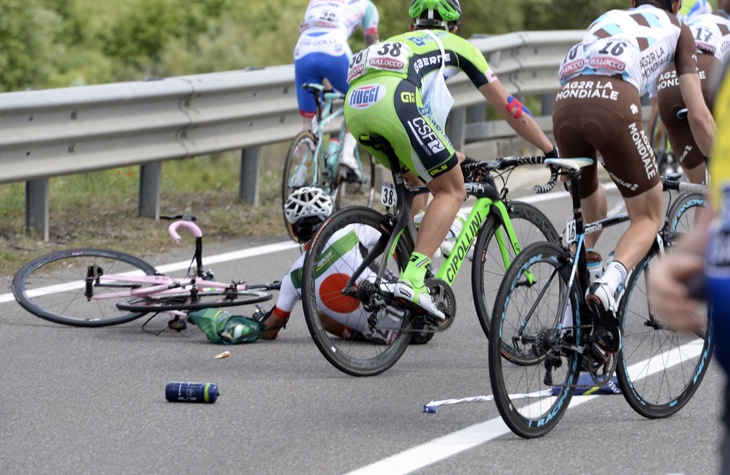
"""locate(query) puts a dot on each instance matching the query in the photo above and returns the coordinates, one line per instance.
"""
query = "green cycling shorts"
(391, 107)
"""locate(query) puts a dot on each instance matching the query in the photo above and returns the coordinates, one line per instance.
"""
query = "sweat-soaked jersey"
(634, 44)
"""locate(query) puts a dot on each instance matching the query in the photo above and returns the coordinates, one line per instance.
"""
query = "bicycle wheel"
(488, 268)
(299, 169)
(659, 370)
(357, 358)
(206, 299)
(687, 210)
(53, 286)
(530, 305)
(361, 192)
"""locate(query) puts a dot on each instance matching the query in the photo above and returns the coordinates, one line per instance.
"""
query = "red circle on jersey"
(330, 291)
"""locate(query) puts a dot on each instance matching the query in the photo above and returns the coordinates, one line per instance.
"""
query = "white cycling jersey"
(328, 24)
(712, 34)
(334, 269)
(635, 44)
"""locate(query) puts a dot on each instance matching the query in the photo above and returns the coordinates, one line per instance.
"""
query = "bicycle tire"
(206, 299)
(488, 269)
(356, 358)
(659, 370)
(361, 193)
(302, 149)
(52, 286)
(529, 404)
(683, 214)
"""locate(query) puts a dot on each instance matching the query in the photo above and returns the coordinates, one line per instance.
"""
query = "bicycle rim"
(686, 211)
(205, 299)
(526, 319)
(362, 349)
(659, 370)
(53, 286)
(488, 268)
(357, 193)
(299, 169)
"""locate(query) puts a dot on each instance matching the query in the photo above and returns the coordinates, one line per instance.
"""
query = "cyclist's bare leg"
(697, 174)
(594, 207)
(420, 202)
(645, 211)
(448, 195)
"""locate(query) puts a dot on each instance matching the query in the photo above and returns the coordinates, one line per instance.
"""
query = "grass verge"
(100, 209)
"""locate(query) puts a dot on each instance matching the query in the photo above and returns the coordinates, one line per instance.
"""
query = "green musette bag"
(225, 329)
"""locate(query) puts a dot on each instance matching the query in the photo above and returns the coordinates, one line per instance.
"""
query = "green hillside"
(47, 43)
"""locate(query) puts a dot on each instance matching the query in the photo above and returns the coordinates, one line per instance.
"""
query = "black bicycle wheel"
(361, 192)
(299, 169)
(54, 286)
(530, 305)
(353, 352)
(659, 370)
(206, 299)
(686, 211)
(488, 268)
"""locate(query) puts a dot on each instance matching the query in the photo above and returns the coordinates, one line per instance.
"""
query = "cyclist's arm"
(515, 115)
(370, 25)
(699, 116)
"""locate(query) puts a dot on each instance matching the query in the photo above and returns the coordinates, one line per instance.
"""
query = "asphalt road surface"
(93, 400)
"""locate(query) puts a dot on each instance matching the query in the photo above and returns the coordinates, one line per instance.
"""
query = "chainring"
(444, 299)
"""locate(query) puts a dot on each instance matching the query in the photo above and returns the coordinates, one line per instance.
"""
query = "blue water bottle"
(717, 275)
(192, 392)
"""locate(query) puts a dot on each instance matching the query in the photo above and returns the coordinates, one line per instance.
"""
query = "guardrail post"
(36, 207)
(150, 179)
(547, 104)
(249, 182)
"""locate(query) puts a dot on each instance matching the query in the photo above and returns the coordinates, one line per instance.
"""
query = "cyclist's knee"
(450, 182)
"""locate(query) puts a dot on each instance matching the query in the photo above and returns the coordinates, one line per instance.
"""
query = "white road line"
(477, 434)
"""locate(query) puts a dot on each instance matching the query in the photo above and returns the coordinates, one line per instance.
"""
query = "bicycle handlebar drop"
(540, 189)
(189, 225)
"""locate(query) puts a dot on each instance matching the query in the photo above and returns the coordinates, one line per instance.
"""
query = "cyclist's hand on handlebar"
(553, 153)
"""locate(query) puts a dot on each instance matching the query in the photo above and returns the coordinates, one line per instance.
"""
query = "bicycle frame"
(165, 286)
(449, 269)
(324, 116)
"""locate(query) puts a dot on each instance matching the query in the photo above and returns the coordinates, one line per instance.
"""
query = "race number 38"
(387, 194)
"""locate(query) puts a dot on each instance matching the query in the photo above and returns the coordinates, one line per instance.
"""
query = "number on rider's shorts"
(387, 194)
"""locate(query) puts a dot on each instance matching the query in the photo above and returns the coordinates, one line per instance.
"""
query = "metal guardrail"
(56, 132)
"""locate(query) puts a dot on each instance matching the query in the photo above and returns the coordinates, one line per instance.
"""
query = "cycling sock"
(615, 275)
(348, 144)
(416, 269)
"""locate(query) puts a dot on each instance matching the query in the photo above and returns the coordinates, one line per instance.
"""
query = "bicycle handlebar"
(189, 225)
(510, 162)
(673, 183)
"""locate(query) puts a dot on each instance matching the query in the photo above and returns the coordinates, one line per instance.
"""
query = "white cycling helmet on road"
(305, 209)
